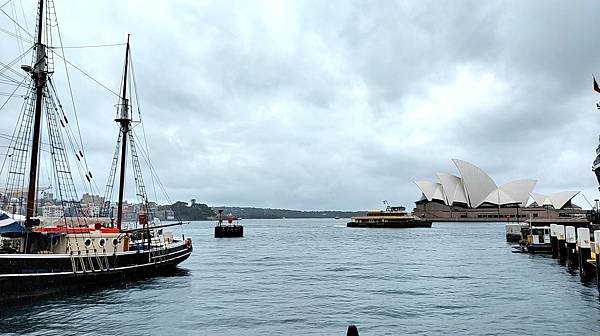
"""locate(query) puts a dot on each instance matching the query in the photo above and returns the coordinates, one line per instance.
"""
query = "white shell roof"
(431, 190)
(476, 187)
(519, 190)
(478, 184)
(453, 188)
(557, 200)
(498, 197)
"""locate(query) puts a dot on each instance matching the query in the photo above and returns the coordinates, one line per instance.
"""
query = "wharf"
(567, 221)
(470, 220)
(572, 246)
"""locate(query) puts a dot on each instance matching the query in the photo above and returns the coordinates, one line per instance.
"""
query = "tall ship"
(391, 217)
(42, 253)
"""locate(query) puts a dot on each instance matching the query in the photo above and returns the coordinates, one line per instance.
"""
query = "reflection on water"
(314, 277)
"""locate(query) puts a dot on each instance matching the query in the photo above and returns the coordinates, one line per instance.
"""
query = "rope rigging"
(16, 23)
(86, 74)
(90, 46)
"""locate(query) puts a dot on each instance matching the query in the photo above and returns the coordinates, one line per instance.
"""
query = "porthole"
(115, 242)
(102, 242)
(88, 242)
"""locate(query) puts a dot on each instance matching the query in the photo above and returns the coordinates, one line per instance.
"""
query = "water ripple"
(314, 277)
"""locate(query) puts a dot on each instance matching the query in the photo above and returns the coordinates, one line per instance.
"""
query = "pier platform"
(566, 221)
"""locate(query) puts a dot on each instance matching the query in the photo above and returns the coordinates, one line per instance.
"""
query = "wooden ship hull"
(24, 276)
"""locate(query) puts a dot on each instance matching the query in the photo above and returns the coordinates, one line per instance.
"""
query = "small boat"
(391, 217)
(538, 240)
(336, 217)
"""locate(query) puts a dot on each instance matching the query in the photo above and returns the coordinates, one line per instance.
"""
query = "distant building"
(166, 215)
(92, 199)
(52, 211)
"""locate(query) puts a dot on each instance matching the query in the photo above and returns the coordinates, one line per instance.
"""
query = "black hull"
(539, 248)
(393, 225)
(513, 237)
(20, 286)
(229, 231)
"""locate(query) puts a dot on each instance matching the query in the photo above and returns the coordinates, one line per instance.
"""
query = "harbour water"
(315, 276)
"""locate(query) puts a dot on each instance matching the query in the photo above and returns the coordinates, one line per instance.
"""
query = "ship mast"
(39, 75)
(125, 121)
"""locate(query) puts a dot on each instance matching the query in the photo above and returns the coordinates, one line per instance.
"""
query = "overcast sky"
(337, 105)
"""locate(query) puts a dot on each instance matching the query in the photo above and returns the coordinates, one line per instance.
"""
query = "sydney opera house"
(475, 196)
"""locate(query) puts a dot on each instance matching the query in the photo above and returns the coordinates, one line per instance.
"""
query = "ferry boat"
(38, 257)
(391, 217)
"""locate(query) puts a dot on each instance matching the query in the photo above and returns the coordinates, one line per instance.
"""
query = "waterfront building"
(475, 196)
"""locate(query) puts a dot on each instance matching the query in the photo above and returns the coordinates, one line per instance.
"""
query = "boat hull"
(30, 276)
(539, 248)
(391, 224)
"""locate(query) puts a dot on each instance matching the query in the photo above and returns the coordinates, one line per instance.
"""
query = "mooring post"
(572, 256)
(352, 330)
(562, 250)
(554, 240)
(585, 253)
(597, 252)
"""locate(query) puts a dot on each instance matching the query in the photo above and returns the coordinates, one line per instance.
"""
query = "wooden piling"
(561, 241)
(586, 270)
(554, 240)
(597, 251)
(572, 255)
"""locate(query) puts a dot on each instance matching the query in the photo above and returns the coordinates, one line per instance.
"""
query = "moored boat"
(537, 240)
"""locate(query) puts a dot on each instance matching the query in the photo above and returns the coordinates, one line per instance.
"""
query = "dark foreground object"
(229, 231)
(392, 224)
(352, 330)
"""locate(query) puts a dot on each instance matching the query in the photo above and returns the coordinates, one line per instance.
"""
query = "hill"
(268, 213)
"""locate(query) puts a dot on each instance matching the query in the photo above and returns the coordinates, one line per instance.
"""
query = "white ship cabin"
(389, 211)
(539, 235)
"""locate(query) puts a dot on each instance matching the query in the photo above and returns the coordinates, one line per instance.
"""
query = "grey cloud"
(316, 105)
